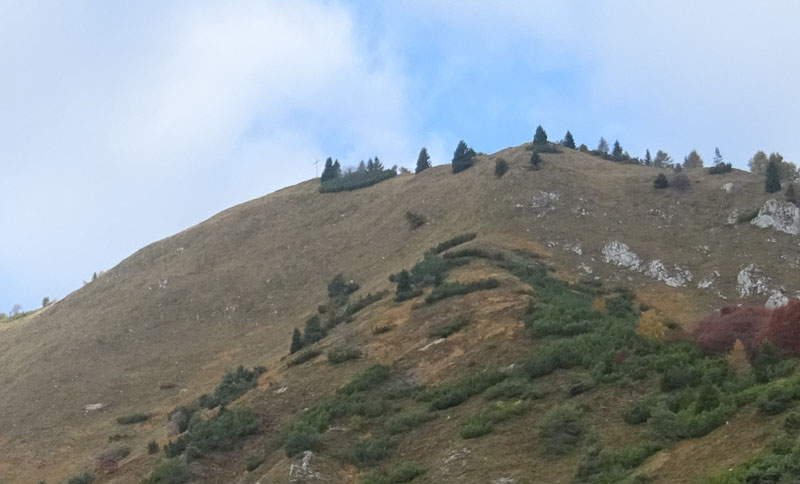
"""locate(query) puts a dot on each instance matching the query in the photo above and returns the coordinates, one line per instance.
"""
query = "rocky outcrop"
(781, 216)
(776, 299)
(751, 282)
(302, 472)
(657, 270)
(619, 254)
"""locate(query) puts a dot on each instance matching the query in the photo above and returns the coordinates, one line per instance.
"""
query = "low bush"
(562, 429)
(717, 333)
(514, 387)
(747, 217)
(475, 252)
(450, 289)
(342, 353)
(152, 447)
(406, 295)
(660, 182)
(405, 422)
(484, 421)
(85, 478)
(253, 462)
(233, 385)
(300, 439)
(221, 433)
(720, 168)
(304, 356)
(449, 328)
(133, 419)
(372, 376)
(500, 167)
(599, 466)
(457, 240)
(355, 181)
(108, 460)
(453, 394)
(415, 220)
(368, 452)
(362, 302)
(381, 328)
(169, 471)
(681, 182)
(777, 399)
(399, 474)
(781, 328)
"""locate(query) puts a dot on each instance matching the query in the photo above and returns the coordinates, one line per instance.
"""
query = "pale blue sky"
(123, 123)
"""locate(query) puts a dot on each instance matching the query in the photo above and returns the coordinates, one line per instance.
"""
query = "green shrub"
(253, 462)
(639, 412)
(169, 471)
(680, 377)
(450, 289)
(342, 353)
(85, 478)
(483, 422)
(776, 400)
(415, 220)
(304, 356)
(580, 385)
(368, 452)
(515, 387)
(381, 328)
(475, 252)
(602, 467)
(451, 327)
(398, 474)
(363, 302)
(405, 422)
(562, 429)
(406, 295)
(152, 447)
(453, 394)
(500, 167)
(133, 419)
(300, 439)
(355, 181)
(792, 423)
(457, 240)
(221, 433)
(233, 385)
(371, 377)
(747, 217)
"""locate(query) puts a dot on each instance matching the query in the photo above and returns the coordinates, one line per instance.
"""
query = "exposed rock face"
(303, 472)
(658, 271)
(781, 216)
(751, 282)
(708, 281)
(728, 187)
(776, 300)
(732, 218)
(619, 254)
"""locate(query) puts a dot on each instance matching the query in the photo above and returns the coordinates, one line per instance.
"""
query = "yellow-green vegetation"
(449, 328)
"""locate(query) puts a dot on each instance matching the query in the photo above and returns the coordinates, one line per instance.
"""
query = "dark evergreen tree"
(662, 159)
(463, 157)
(297, 341)
(772, 183)
(423, 161)
(377, 165)
(403, 282)
(362, 167)
(602, 146)
(337, 169)
(339, 287)
(693, 160)
(540, 138)
(717, 156)
(648, 161)
(536, 160)
(616, 153)
(313, 331)
(660, 182)
(500, 167)
(328, 171)
(569, 141)
(370, 165)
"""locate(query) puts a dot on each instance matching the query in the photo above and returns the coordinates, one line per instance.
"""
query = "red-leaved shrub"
(783, 328)
(716, 333)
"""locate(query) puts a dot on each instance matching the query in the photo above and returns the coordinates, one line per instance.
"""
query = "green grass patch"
(133, 419)
(452, 394)
(342, 353)
(449, 328)
(372, 376)
(451, 289)
(483, 422)
(405, 422)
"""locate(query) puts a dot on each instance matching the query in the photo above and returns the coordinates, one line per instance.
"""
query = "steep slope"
(230, 290)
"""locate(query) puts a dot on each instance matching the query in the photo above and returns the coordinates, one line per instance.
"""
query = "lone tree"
(328, 171)
(500, 167)
(758, 163)
(616, 153)
(717, 156)
(662, 159)
(660, 182)
(772, 183)
(648, 161)
(297, 341)
(536, 160)
(423, 161)
(463, 157)
(540, 138)
(602, 146)
(313, 331)
(693, 160)
(569, 141)
(403, 282)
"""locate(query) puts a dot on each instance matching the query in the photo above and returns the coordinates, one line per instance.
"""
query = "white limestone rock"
(751, 282)
(781, 216)
(657, 270)
(619, 254)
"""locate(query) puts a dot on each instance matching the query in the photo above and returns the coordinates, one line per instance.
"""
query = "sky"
(122, 123)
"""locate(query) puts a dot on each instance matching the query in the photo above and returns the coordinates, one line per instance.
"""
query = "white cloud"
(119, 128)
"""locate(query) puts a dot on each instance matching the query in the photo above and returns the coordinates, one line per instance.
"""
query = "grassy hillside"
(162, 327)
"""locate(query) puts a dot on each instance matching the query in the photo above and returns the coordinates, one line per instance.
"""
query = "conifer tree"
(337, 169)
(403, 282)
(463, 157)
(662, 159)
(772, 182)
(693, 160)
(362, 167)
(738, 358)
(602, 146)
(297, 341)
(648, 161)
(377, 165)
(758, 163)
(327, 172)
(540, 138)
(423, 161)
(717, 156)
(660, 182)
(536, 160)
(569, 141)
(616, 153)
(313, 331)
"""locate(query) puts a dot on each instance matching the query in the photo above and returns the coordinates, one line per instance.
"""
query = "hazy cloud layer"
(120, 125)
